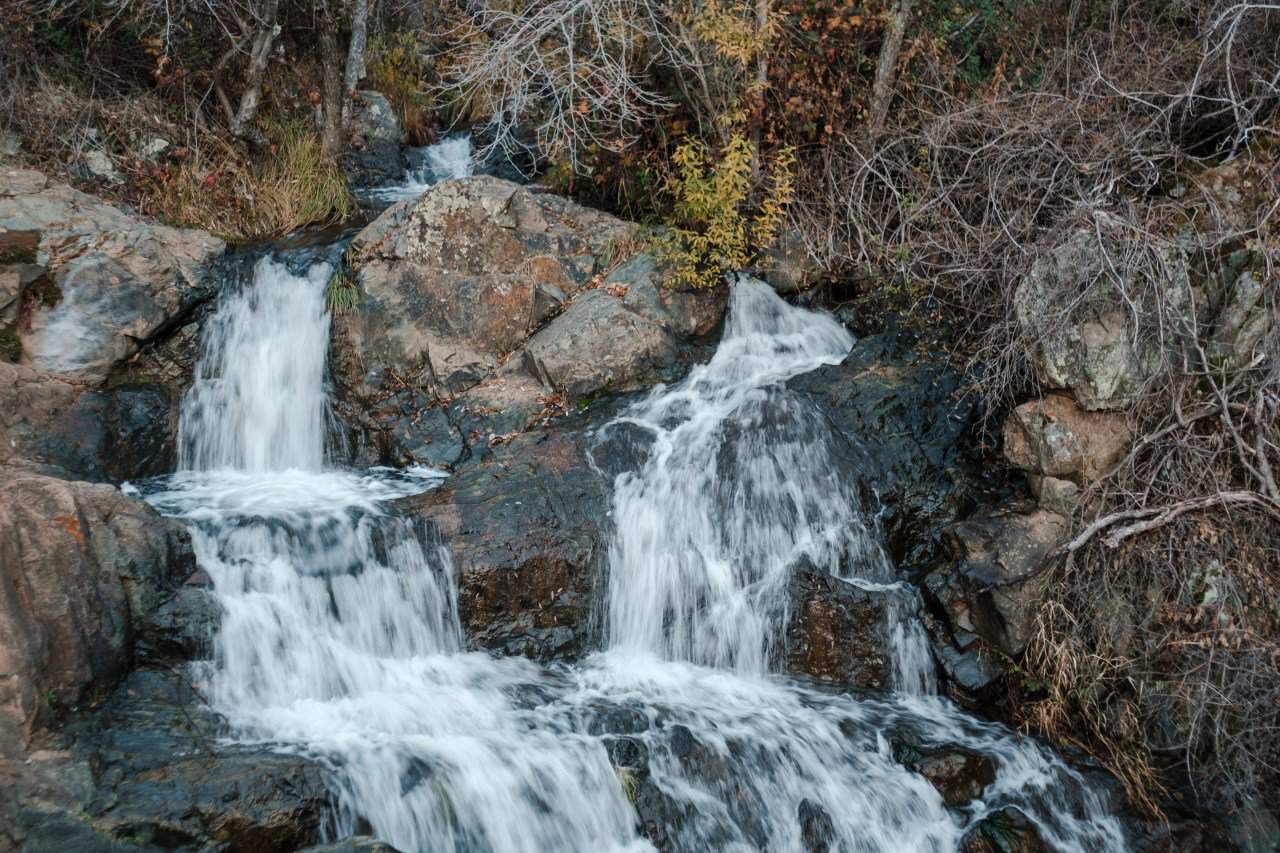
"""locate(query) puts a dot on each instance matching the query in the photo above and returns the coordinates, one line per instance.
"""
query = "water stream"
(340, 636)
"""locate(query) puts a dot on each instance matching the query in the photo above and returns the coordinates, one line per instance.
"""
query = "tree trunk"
(763, 11)
(887, 67)
(355, 56)
(241, 119)
(331, 131)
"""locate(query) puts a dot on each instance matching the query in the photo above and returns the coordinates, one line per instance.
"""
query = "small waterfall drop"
(449, 159)
(340, 635)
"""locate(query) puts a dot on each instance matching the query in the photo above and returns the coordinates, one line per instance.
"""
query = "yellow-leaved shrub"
(713, 228)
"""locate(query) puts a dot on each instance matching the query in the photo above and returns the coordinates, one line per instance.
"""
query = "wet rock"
(959, 775)
(817, 832)
(1093, 345)
(526, 527)
(77, 431)
(162, 777)
(116, 281)
(1005, 831)
(83, 568)
(836, 632)
(419, 431)
(375, 157)
(908, 414)
(354, 844)
(994, 587)
(599, 345)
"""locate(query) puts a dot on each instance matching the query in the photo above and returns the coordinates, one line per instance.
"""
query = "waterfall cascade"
(340, 635)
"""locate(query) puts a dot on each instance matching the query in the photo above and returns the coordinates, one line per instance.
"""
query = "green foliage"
(341, 295)
(712, 229)
(395, 69)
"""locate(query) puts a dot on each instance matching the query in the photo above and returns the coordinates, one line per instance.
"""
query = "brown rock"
(1054, 437)
(81, 568)
(836, 631)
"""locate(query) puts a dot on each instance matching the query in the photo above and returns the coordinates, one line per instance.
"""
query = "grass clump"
(292, 185)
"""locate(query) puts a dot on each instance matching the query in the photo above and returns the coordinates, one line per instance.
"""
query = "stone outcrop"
(100, 283)
(483, 295)
(1063, 448)
(909, 419)
(375, 157)
(1105, 345)
(83, 567)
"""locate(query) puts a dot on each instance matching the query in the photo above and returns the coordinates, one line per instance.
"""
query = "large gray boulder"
(599, 344)
(1093, 320)
(453, 281)
(108, 282)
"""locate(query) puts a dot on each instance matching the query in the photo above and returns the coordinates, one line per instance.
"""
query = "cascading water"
(340, 635)
(448, 159)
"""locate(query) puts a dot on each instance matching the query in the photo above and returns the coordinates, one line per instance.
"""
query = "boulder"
(83, 567)
(113, 281)
(485, 297)
(1005, 831)
(452, 282)
(960, 775)
(1092, 321)
(690, 312)
(1055, 438)
(993, 588)
(598, 344)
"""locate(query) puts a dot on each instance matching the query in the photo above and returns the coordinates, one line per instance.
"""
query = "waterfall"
(340, 635)
(449, 159)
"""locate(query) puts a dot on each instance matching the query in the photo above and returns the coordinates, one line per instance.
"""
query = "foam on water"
(340, 634)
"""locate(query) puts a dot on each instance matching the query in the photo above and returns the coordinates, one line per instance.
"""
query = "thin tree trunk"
(763, 11)
(241, 122)
(355, 56)
(887, 67)
(331, 132)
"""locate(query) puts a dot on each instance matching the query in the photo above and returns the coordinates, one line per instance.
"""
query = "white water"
(448, 159)
(340, 636)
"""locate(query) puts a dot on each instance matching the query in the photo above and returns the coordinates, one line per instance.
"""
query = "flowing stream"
(340, 636)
